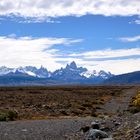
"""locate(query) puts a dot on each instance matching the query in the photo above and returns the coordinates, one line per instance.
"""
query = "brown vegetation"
(48, 102)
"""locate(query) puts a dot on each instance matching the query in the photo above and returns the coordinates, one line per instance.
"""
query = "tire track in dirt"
(118, 105)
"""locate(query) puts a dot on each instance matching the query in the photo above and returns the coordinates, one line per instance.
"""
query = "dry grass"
(66, 101)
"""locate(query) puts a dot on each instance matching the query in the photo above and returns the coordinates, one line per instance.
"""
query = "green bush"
(8, 115)
(2, 117)
(12, 115)
(134, 110)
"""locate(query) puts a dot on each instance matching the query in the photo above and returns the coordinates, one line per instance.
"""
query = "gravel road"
(41, 130)
(119, 104)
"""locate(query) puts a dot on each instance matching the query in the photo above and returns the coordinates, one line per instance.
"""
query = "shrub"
(8, 115)
(136, 101)
(133, 110)
(2, 117)
(12, 115)
(135, 104)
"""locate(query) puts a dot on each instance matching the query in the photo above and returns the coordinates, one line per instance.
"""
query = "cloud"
(115, 66)
(130, 39)
(23, 51)
(109, 60)
(108, 53)
(137, 21)
(34, 20)
(40, 9)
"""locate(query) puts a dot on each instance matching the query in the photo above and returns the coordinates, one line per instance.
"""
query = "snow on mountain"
(95, 74)
(30, 73)
(42, 72)
(105, 75)
(4, 70)
(71, 71)
(29, 70)
(33, 71)
(88, 73)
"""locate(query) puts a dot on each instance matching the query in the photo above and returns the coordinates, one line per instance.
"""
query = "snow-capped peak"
(4, 70)
(28, 70)
(71, 71)
(94, 73)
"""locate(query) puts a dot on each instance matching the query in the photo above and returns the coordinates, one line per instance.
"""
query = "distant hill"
(128, 78)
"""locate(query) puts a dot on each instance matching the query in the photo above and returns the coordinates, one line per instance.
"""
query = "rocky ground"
(121, 125)
(42, 129)
(115, 123)
(117, 128)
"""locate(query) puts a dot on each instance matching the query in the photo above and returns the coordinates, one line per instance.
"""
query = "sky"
(96, 34)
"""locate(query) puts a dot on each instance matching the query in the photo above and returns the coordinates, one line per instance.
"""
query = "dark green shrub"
(8, 115)
(2, 117)
(134, 110)
(12, 115)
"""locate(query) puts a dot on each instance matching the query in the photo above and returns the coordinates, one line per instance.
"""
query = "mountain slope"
(128, 78)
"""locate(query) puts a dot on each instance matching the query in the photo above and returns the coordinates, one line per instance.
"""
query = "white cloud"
(118, 66)
(109, 60)
(137, 21)
(114, 66)
(130, 39)
(57, 8)
(108, 53)
(25, 51)
(35, 20)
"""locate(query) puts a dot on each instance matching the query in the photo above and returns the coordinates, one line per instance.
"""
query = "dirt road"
(119, 104)
(41, 130)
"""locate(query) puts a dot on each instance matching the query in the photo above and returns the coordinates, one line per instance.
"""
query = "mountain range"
(71, 74)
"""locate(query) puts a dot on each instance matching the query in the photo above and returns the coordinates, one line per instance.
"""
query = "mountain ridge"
(123, 79)
(42, 72)
(71, 74)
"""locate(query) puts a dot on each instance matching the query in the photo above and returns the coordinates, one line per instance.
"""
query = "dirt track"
(121, 103)
(41, 130)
